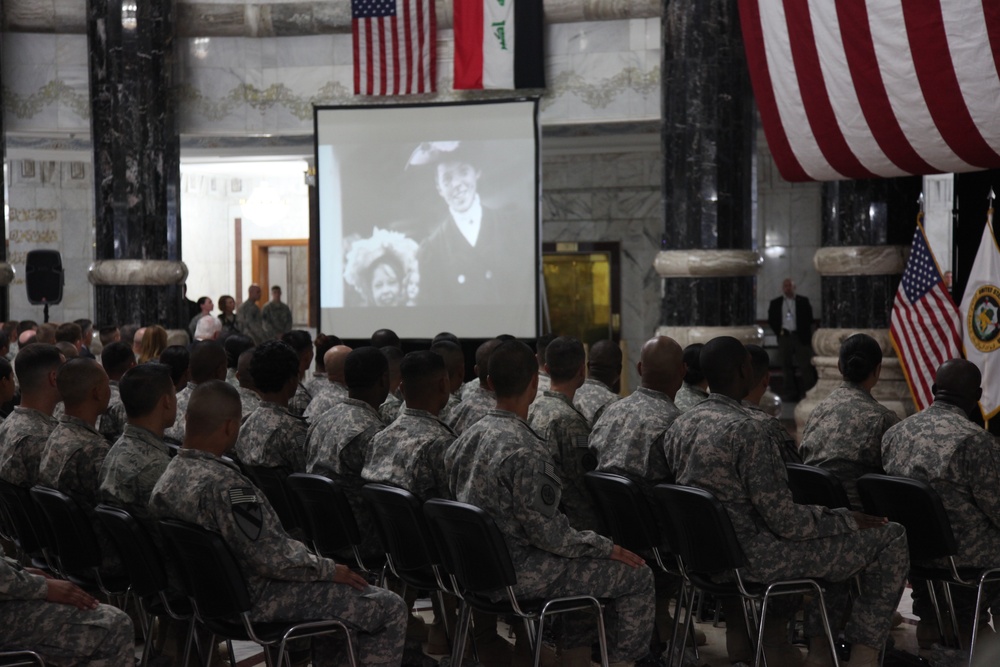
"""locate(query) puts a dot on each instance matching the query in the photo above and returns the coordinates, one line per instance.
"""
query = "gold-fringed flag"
(981, 317)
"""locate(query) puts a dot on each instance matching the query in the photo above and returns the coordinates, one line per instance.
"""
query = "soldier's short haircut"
(720, 361)
(452, 354)
(386, 338)
(243, 368)
(142, 388)
(6, 370)
(859, 355)
(69, 332)
(107, 334)
(273, 365)
(394, 356)
(206, 357)
(364, 367)
(68, 349)
(323, 343)
(564, 356)
(127, 333)
(25, 325)
(235, 345)
(76, 378)
(503, 338)
(33, 364)
(420, 368)
(178, 359)
(211, 404)
(692, 354)
(447, 336)
(483, 353)
(512, 365)
(542, 344)
(298, 340)
(117, 357)
(760, 362)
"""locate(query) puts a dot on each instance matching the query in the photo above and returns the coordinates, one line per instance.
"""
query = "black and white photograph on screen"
(381, 270)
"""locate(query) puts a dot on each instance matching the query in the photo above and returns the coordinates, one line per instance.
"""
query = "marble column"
(867, 231)
(6, 272)
(136, 163)
(707, 261)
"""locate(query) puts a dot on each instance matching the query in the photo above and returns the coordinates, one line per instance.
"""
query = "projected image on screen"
(428, 219)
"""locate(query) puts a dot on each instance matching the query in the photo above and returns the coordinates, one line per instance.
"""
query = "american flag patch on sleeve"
(243, 494)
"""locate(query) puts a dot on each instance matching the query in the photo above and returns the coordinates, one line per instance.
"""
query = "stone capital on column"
(137, 272)
(685, 336)
(869, 260)
(707, 262)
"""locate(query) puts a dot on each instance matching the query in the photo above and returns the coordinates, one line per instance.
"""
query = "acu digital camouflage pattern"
(389, 410)
(567, 435)
(628, 438)
(409, 453)
(844, 435)
(111, 423)
(300, 401)
(446, 412)
(471, 409)
(314, 382)
(273, 438)
(249, 401)
(276, 317)
(718, 447)
(72, 460)
(131, 470)
(592, 398)
(330, 395)
(286, 581)
(502, 466)
(62, 634)
(249, 322)
(689, 396)
(175, 433)
(22, 439)
(776, 431)
(960, 461)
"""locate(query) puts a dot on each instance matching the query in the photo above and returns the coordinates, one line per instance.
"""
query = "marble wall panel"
(45, 85)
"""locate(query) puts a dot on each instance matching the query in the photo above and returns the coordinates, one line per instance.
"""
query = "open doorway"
(284, 263)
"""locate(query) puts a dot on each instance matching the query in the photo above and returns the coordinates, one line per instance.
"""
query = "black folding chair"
(218, 593)
(272, 482)
(700, 531)
(27, 526)
(816, 486)
(918, 507)
(20, 659)
(475, 555)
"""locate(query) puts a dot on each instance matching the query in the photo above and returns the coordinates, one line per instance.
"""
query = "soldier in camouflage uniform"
(117, 358)
(276, 316)
(717, 446)
(8, 383)
(62, 623)
(502, 466)
(604, 370)
(235, 345)
(318, 378)
(249, 398)
(695, 387)
(961, 461)
(389, 410)
(844, 432)
(481, 399)
(271, 436)
(566, 431)
(286, 582)
(248, 316)
(24, 433)
(761, 364)
(339, 442)
(208, 362)
(454, 359)
(302, 343)
(335, 389)
(544, 379)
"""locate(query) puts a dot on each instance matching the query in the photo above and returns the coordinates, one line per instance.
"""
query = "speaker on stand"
(43, 278)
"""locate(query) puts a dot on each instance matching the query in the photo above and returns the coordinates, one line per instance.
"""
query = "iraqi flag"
(498, 44)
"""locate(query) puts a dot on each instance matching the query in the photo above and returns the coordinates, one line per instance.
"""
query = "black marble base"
(858, 301)
(712, 302)
(139, 305)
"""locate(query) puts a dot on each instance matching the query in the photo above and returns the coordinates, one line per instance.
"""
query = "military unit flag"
(395, 47)
(925, 322)
(981, 317)
(498, 44)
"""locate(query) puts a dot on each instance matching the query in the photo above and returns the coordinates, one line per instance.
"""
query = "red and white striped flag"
(863, 89)
(395, 47)
(925, 329)
(498, 44)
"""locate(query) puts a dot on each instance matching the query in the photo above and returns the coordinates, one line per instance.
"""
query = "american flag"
(395, 47)
(925, 328)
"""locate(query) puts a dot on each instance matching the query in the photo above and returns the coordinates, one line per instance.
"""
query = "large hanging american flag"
(395, 47)
(925, 329)
(862, 89)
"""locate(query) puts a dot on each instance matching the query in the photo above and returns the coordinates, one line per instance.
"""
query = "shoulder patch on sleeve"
(581, 441)
(548, 489)
(247, 512)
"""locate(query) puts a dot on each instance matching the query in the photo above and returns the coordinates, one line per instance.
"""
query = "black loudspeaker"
(43, 276)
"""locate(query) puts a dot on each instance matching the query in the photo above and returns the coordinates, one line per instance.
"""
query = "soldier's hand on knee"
(866, 521)
(622, 554)
(64, 592)
(345, 575)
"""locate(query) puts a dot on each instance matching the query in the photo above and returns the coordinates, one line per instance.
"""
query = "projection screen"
(428, 219)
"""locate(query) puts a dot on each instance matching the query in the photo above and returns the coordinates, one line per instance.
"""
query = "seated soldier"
(302, 343)
(24, 433)
(481, 398)
(454, 359)
(317, 379)
(389, 410)
(178, 358)
(208, 362)
(718, 447)
(8, 385)
(235, 345)
(761, 364)
(566, 431)
(286, 582)
(502, 466)
(942, 446)
(541, 345)
(600, 389)
(60, 622)
(335, 389)
(249, 398)
(695, 387)
(116, 358)
(271, 436)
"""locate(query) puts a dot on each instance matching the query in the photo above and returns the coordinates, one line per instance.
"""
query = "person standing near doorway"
(249, 320)
(276, 316)
(791, 318)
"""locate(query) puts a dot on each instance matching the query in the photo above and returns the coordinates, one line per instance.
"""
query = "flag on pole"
(925, 328)
(498, 44)
(981, 317)
(395, 47)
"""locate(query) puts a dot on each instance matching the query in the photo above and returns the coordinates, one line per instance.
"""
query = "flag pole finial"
(920, 201)
(992, 196)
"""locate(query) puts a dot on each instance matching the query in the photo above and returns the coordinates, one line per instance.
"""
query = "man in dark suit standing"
(791, 318)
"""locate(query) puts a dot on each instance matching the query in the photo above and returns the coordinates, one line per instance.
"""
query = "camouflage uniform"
(689, 396)
(446, 412)
(567, 435)
(72, 460)
(776, 431)
(22, 439)
(276, 317)
(249, 401)
(718, 447)
(329, 396)
(409, 453)
(844, 435)
(249, 322)
(231, 377)
(503, 467)
(544, 383)
(315, 382)
(300, 401)
(131, 470)
(472, 408)
(273, 438)
(62, 634)
(389, 410)
(111, 424)
(286, 582)
(592, 398)
(628, 438)
(176, 432)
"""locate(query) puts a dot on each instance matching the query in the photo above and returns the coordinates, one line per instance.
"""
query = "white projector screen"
(428, 219)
